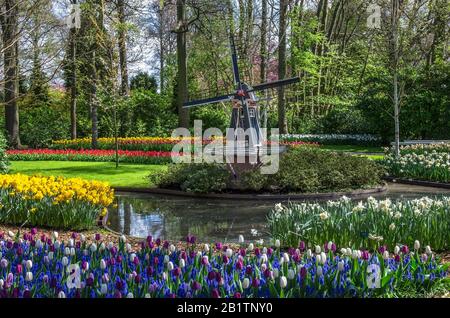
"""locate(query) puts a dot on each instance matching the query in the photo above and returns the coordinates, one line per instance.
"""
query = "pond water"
(173, 218)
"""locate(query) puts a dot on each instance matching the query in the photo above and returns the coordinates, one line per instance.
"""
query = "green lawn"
(127, 175)
(352, 148)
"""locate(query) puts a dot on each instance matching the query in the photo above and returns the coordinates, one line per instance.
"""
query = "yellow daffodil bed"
(67, 203)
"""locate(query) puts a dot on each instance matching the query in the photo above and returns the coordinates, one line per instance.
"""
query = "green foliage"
(41, 123)
(302, 169)
(344, 121)
(143, 81)
(4, 162)
(202, 178)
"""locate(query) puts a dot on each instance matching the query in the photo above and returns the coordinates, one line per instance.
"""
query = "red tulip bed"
(127, 156)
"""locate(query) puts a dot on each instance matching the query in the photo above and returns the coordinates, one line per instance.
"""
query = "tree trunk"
(94, 103)
(73, 84)
(282, 120)
(11, 51)
(263, 44)
(183, 114)
(122, 35)
(395, 61)
(161, 50)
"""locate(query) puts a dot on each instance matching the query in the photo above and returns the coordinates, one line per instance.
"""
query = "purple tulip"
(248, 270)
(302, 246)
(183, 255)
(119, 284)
(19, 251)
(149, 271)
(218, 277)
(243, 252)
(382, 249)
(136, 261)
(255, 283)
(119, 259)
(269, 251)
(137, 279)
(397, 258)
(98, 237)
(267, 273)
(26, 294)
(225, 259)
(19, 269)
(166, 244)
(78, 244)
(365, 255)
(237, 295)
(211, 275)
(89, 281)
(9, 245)
(176, 272)
(239, 265)
(405, 249)
(192, 240)
(149, 239)
(215, 293)
(196, 286)
(74, 235)
(219, 246)
(158, 242)
(257, 252)
(303, 272)
(2, 235)
(333, 247)
(155, 261)
(117, 294)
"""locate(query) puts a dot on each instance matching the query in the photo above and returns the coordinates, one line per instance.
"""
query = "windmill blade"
(234, 61)
(274, 84)
(212, 100)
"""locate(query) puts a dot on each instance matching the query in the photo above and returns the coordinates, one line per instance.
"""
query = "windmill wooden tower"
(245, 113)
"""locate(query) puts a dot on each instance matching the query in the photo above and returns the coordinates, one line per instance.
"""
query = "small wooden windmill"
(245, 114)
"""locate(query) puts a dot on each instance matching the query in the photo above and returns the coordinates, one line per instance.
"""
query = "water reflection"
(174, 218)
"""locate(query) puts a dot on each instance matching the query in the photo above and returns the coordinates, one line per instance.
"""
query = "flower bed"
(421, 162)
(139, 157)
(46, 267)
(164, 144)
(364, 224)
(55, 202)
(334, 139)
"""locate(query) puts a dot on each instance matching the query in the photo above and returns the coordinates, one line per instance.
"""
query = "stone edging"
(432, 184)
(257, 197)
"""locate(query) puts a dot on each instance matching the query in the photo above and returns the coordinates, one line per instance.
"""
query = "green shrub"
(202, 178)
(302, 169)
(4, 163)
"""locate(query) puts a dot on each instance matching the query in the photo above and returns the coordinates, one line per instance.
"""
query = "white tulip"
(264, 258)
(29, 264)
(277, 243)
(263, 267)
(170, 266)
(318, 249)
(199, 254)
(172, 248)
(396, 250)
(57, 245)
(286, 257)
(229, 252)
(102, 264)
(132, 257)
(50, 255)
(349, 251)
(65, 261)
(29, 276)
(55, 235)
(71, 243)
(130, 295)
(38, 244)
(246, 283)
(93, 248)
(72, 251)
(164, 276)
(2, 282)
(250, 247)
(323, 258)
(67, 251)
(291, 274)
(309, 253)
(11, 234)
(276, 272)
(319, 271)
(416, 245)
(330, 245)
(102, 247)
(385, 255)
(343, 251)
(341, 266)
(205, 260)
(355, 254)
(241, 239)
(123, 239)
(110, 245)
(147, 296)
(104, 289)
(166, 259)
(206, 248)
(182, 263)
(82, 237)
(129, 248)
(85, 252)
(428, 250)
(283, 282)
(264, 250)
(61, 294)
